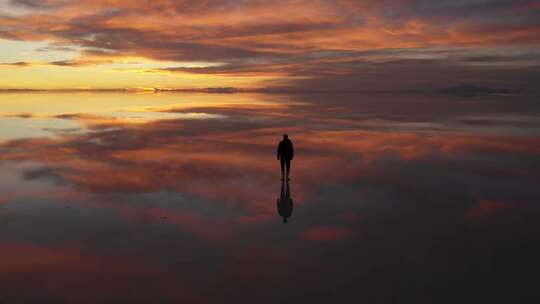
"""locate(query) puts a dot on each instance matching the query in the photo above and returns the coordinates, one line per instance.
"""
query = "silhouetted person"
(285, 153)
(285, 202)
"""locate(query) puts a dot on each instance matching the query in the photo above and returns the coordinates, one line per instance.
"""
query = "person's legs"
(288, 163)
(282, 167)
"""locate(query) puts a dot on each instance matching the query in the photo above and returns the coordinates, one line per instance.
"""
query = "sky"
(300, 44)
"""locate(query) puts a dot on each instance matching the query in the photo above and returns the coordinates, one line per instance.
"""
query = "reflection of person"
(285, 153)
(285, 202)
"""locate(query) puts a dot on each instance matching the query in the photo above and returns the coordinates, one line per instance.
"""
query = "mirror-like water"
(176, 198)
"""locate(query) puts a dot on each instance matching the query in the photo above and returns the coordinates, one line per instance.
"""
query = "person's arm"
(292, 151)
(278, 150)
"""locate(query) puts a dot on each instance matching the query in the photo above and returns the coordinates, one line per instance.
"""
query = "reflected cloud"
(117, 156)
(185, 196)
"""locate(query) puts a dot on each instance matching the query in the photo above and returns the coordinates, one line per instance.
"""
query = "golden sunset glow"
(263, 152)
(227, 43)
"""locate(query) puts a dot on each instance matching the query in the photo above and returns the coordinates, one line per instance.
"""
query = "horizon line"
(217, 90)
(464, 88)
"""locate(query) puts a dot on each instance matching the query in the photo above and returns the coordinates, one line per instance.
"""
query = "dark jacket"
(285, 150)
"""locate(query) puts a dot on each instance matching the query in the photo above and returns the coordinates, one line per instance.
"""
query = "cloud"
(60, 63)
(78, 63)
(38, 3)
(289, 39)
(45, 173)
(20, 115)
(16, 64)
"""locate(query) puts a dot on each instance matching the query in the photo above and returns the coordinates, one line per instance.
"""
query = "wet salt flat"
(172, 198)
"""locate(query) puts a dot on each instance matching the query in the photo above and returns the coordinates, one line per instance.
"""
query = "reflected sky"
(171, 198)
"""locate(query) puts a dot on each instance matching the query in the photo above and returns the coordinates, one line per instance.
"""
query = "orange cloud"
(270, 39)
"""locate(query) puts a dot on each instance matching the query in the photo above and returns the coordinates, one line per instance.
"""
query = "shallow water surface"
(173, 198)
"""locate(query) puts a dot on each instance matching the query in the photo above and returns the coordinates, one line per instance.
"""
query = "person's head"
(285, 136)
